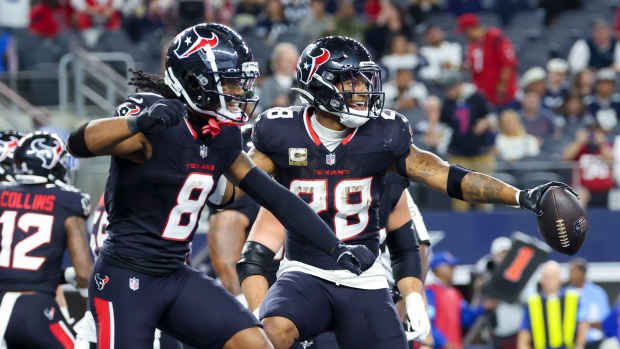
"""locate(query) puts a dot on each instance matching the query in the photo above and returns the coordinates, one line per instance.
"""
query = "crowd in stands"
(481, 84)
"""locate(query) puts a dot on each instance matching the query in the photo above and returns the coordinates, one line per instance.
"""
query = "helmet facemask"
(228, 95)
(353, 94)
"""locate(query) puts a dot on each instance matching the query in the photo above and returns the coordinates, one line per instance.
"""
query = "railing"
(90, 70)
(16, 105)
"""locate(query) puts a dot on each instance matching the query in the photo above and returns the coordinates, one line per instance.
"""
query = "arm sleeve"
(579, 56)
(296, 216)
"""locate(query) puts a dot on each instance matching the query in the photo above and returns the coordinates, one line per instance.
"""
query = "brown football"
(563, 223)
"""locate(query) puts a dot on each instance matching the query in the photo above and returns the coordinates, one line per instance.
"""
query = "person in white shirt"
(275, 89)
(439, 54)
(404, 93)
(598, 51)
(403, 55)
(513, 143)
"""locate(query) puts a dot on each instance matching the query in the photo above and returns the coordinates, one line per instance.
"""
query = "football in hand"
(563, 223)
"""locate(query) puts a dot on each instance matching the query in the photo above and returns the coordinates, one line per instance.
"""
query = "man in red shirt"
(491, 59)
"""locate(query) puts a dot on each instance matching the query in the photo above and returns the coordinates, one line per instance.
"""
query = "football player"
(334, 153)
(8, 143)
(41, 216)
(169, 151)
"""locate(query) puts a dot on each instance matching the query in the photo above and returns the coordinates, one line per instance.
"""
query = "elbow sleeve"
(404, 253)
(76, 144)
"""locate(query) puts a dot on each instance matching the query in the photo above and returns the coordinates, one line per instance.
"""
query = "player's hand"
(163, 114)
(354, 258)
(530, 198)
(418, 318)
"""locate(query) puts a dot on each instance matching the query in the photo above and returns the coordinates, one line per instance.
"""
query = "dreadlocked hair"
(147, 82)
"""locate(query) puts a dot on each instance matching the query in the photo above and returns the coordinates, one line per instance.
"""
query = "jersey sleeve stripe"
(62, 333)
(105, 323)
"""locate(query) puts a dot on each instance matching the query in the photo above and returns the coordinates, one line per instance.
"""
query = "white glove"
(70, 276)
(418, 318)
(86, 329)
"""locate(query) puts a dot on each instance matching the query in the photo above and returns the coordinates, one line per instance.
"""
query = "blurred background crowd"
(523, 88)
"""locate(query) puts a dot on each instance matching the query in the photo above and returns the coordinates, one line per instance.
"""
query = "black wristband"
(455, 177)
(132, 125)
(76, 144)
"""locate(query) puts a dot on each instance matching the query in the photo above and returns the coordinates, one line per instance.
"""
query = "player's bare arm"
(226, 237)
(427, 168)
(269, 232)
(78, 249)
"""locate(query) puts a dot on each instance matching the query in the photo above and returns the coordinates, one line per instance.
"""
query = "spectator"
(553, 8)
(597, 52)
(439, 54)
(491, 59)
(404, 93)
(421, 10)
(547, 314)
(583, 82)
(98, 13)
(573, 113)
(594, 155)
(317, 21)
(436, 134)
(466, 112)
(50, 18)
(347, 22)
(295, 10)
(403, 55)
(275, 89)
(513, 143)
(594, 303)
(272, 23)
(537, 120)
(447, 309)
(534, 80)
(617, 24)
(605, 104)
(557, 87)
(388, 24)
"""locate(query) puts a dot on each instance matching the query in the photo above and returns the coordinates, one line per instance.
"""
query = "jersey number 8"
(183, 217)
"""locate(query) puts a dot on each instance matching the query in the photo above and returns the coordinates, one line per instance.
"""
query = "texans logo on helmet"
(100, 282)
(311, 63)
(194, 43)
(48, 154)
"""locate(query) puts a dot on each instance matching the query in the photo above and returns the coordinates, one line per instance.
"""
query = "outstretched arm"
(427, 168)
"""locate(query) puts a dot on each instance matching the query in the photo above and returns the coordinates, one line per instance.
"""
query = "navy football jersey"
(154, 208)
(98, 229)
(34, 238)
(394, 186)
(346, 186)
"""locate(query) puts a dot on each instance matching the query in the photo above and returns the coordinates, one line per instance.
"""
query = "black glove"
(354, 258)
(163, 114)
(530, 198)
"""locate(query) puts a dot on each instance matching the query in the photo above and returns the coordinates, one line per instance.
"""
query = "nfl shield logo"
(204, 151)
(330, 159)
(134, 283)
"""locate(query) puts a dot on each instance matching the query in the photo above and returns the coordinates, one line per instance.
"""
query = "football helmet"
(339, 61)
(41, 154)
(201, 60)
(8, 143)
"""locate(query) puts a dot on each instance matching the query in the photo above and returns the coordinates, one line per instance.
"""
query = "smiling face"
(355, 90)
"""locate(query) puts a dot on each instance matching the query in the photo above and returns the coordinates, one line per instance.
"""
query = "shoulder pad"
(281, 113)
(135, 103)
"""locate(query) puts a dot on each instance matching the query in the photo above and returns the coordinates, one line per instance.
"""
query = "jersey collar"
(315, 138)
